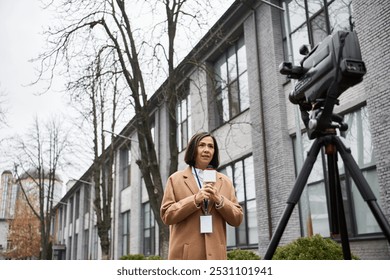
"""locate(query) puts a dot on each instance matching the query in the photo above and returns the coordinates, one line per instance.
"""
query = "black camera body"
(336, 59)
(323, 75)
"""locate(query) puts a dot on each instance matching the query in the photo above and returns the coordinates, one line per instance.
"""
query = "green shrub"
(133, 257)
(139, 257)
(154, 258)
(238, 254)
(310, 248)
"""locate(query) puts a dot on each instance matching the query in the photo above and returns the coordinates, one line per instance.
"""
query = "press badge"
(206, 224)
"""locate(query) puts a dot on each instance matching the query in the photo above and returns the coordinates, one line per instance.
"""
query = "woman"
(188, 204)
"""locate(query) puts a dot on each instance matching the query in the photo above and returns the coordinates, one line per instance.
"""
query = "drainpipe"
(265, 158)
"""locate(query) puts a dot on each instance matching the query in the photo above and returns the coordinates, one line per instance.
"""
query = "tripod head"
(324, 74)
(318, 123)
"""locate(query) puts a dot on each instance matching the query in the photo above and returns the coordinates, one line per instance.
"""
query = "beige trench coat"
(180, 212)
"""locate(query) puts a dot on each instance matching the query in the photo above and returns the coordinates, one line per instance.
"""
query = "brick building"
(239, 95)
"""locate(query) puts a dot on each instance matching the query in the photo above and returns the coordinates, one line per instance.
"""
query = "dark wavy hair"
(191, 150)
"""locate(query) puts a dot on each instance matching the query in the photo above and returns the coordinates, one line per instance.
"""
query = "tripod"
(338, 225)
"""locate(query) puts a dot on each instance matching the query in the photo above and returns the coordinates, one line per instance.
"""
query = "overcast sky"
(21, 39)
(21, 26)
(22, 23)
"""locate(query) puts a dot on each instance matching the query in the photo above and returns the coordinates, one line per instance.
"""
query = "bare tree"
(110, 24)
(39, 159)
(101, 103)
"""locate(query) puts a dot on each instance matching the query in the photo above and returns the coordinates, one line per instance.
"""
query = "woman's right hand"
(201, 196)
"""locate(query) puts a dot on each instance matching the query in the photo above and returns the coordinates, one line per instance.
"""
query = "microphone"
(209, 176)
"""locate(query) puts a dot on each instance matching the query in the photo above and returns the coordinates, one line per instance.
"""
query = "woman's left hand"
(213, 193)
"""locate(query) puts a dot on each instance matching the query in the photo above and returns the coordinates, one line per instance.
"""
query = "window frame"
(147, 214)
(305, 29)
(126, 232)
(231, 84)
(243, 232)
(125, 166)
(183, 120)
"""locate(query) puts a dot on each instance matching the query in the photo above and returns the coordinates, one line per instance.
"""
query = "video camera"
(323, 75)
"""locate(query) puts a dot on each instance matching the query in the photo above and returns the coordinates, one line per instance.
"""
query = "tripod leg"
(294, 197)
(363, 187)
(337, 221)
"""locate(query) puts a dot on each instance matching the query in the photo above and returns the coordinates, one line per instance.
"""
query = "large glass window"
(125, 166)
(70, 248)
(71, 209)
(231, 83)
(242, 174)
(126, 233)
(66, 215)
(148, 230)
(183, 116)
(95, 243)
(75, 246)
(358, 138)
(86, 245)
(87, 197)
(310, 21)
(358, 215)
(4, 198)
(77, 205)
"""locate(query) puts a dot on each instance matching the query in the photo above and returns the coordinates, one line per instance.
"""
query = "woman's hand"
(208, 192)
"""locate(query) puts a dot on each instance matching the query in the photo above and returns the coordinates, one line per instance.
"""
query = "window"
(183, 117)
(95, 243)
(87, 198)
(8, 196)
(14, 194)
(125, 167)
(4, 198)
(231, 83)
(60, 217)
(360, 220)
(242, 175)
(358, 139)
(148, 230)
(70, 248)
(86, 244)
(310, 21)
(65, 215)
(71, 209)
(75, 246)
(77, 205)
(126, 233)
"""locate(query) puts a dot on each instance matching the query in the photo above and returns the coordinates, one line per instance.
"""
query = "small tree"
(24, 230)
(41, 154)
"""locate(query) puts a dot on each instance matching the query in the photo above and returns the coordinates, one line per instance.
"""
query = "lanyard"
(205, 201)
(197, 178)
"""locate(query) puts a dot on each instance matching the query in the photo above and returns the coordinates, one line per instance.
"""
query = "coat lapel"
(189, 180)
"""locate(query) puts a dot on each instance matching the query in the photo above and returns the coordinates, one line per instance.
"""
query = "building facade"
(8, 193)
(19, 227)
(235, 91)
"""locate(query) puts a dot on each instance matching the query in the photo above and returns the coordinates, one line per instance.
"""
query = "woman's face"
(204, 152)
